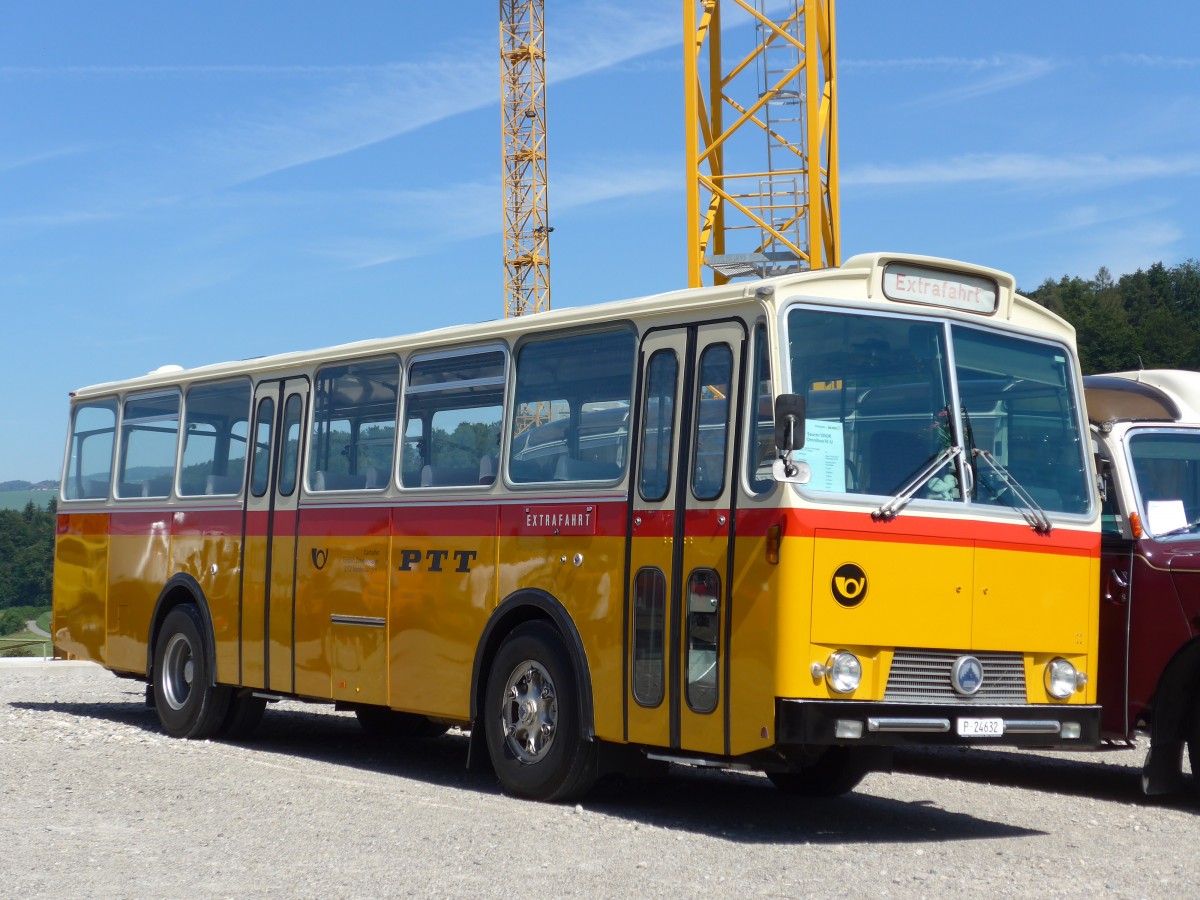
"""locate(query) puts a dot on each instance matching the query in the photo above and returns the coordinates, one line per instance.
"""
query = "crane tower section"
(761, 100)
(523, 112)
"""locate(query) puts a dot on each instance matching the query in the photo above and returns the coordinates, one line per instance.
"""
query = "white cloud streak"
(1024, 169)
(1154, 62)
(469, 210)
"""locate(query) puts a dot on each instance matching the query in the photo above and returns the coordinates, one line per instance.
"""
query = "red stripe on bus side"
(206, 521)
(507, 520)
(82, 524)
(135, 524)
(906, 529)
(655, 523)
(360, 521)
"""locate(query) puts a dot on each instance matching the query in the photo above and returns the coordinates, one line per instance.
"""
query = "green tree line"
(26, 556)
(1150, 319)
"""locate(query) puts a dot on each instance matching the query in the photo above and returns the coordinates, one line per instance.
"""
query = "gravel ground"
(97, 802)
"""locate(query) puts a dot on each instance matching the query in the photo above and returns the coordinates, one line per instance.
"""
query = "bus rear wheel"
(188, 704)
(532, 721)
(837, 771)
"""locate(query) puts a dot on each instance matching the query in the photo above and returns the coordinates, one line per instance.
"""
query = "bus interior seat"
(895, 457)
(488, 465)
(338, 481)
(222, 484)
(378, 477)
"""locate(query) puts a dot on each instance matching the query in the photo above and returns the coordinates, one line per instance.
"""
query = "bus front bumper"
(823, 722)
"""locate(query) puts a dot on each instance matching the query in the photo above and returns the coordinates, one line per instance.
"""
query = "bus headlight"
(1062, 679)
(843, 672)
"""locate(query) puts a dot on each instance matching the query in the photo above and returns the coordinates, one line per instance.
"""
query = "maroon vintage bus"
(1146, 428)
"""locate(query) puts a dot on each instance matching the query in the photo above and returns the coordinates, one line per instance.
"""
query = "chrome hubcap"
(529, 712)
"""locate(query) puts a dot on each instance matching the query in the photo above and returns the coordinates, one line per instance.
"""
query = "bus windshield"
(881, 399)
(1166, 470)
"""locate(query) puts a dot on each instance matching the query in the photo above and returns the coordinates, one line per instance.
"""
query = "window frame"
(614, 327)
(408, 389)
(120, 457)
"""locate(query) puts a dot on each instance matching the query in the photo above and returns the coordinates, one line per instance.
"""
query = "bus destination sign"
(936, 287)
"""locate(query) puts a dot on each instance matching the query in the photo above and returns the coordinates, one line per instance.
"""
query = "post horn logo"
(319, 558)
(849, 585)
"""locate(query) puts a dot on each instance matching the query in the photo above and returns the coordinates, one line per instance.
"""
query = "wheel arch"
(516, 609)
(179, 590)
(1174, 711)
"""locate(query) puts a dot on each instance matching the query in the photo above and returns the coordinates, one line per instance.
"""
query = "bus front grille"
(924, 676)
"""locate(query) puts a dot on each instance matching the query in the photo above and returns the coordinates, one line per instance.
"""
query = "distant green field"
(18, 499)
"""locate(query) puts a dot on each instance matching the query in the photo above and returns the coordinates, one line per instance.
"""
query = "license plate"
(981, 727)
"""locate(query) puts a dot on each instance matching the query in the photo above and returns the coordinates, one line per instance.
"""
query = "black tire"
(188, 703)
(1193, 744)
(381, 722)
(837, 771)
(244, 713)
(531, 718)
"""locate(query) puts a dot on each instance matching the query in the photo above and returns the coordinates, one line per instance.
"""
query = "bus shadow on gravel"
(1119, 781)
(734, 806)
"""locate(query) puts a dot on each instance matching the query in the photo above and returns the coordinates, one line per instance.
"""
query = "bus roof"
(860, 281)
(1147, 395)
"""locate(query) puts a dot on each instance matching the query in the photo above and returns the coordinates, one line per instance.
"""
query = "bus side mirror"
(789, 436)
(789, 423)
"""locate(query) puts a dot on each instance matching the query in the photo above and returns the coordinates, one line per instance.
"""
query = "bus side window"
(149, 436)
(712, 422)
(453, 407)
(263, 423)
(89, 468)
(293, 416)
(214, 439)
(760, 448)
(571, 417)
(354, 426)
(658, 426)
(649, 628)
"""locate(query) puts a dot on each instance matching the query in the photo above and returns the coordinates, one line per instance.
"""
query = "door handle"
(1118, 579)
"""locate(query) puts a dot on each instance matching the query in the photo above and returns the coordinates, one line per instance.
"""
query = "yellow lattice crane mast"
(761, 138)
(523, 114)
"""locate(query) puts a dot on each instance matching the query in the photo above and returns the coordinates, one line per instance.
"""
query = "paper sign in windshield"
(1165, 515)
(825, 452)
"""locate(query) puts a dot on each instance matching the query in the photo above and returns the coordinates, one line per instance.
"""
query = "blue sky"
(190, 183)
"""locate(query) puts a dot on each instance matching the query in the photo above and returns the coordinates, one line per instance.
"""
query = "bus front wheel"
(531, 718)
(188, 704)
(837, 771)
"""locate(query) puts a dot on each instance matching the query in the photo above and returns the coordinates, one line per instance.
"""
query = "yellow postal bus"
(781, 525)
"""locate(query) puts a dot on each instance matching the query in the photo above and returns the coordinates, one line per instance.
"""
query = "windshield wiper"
(972, 476)
(1032, 513)
(1182, 529)
(889, 510)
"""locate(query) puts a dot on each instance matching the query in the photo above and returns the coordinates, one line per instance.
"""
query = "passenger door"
(682, 508)
(269, 535)
(1116, 573)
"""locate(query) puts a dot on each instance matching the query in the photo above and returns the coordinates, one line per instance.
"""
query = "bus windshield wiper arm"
(1031, 512)
(1182, 529)
(890, 509)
